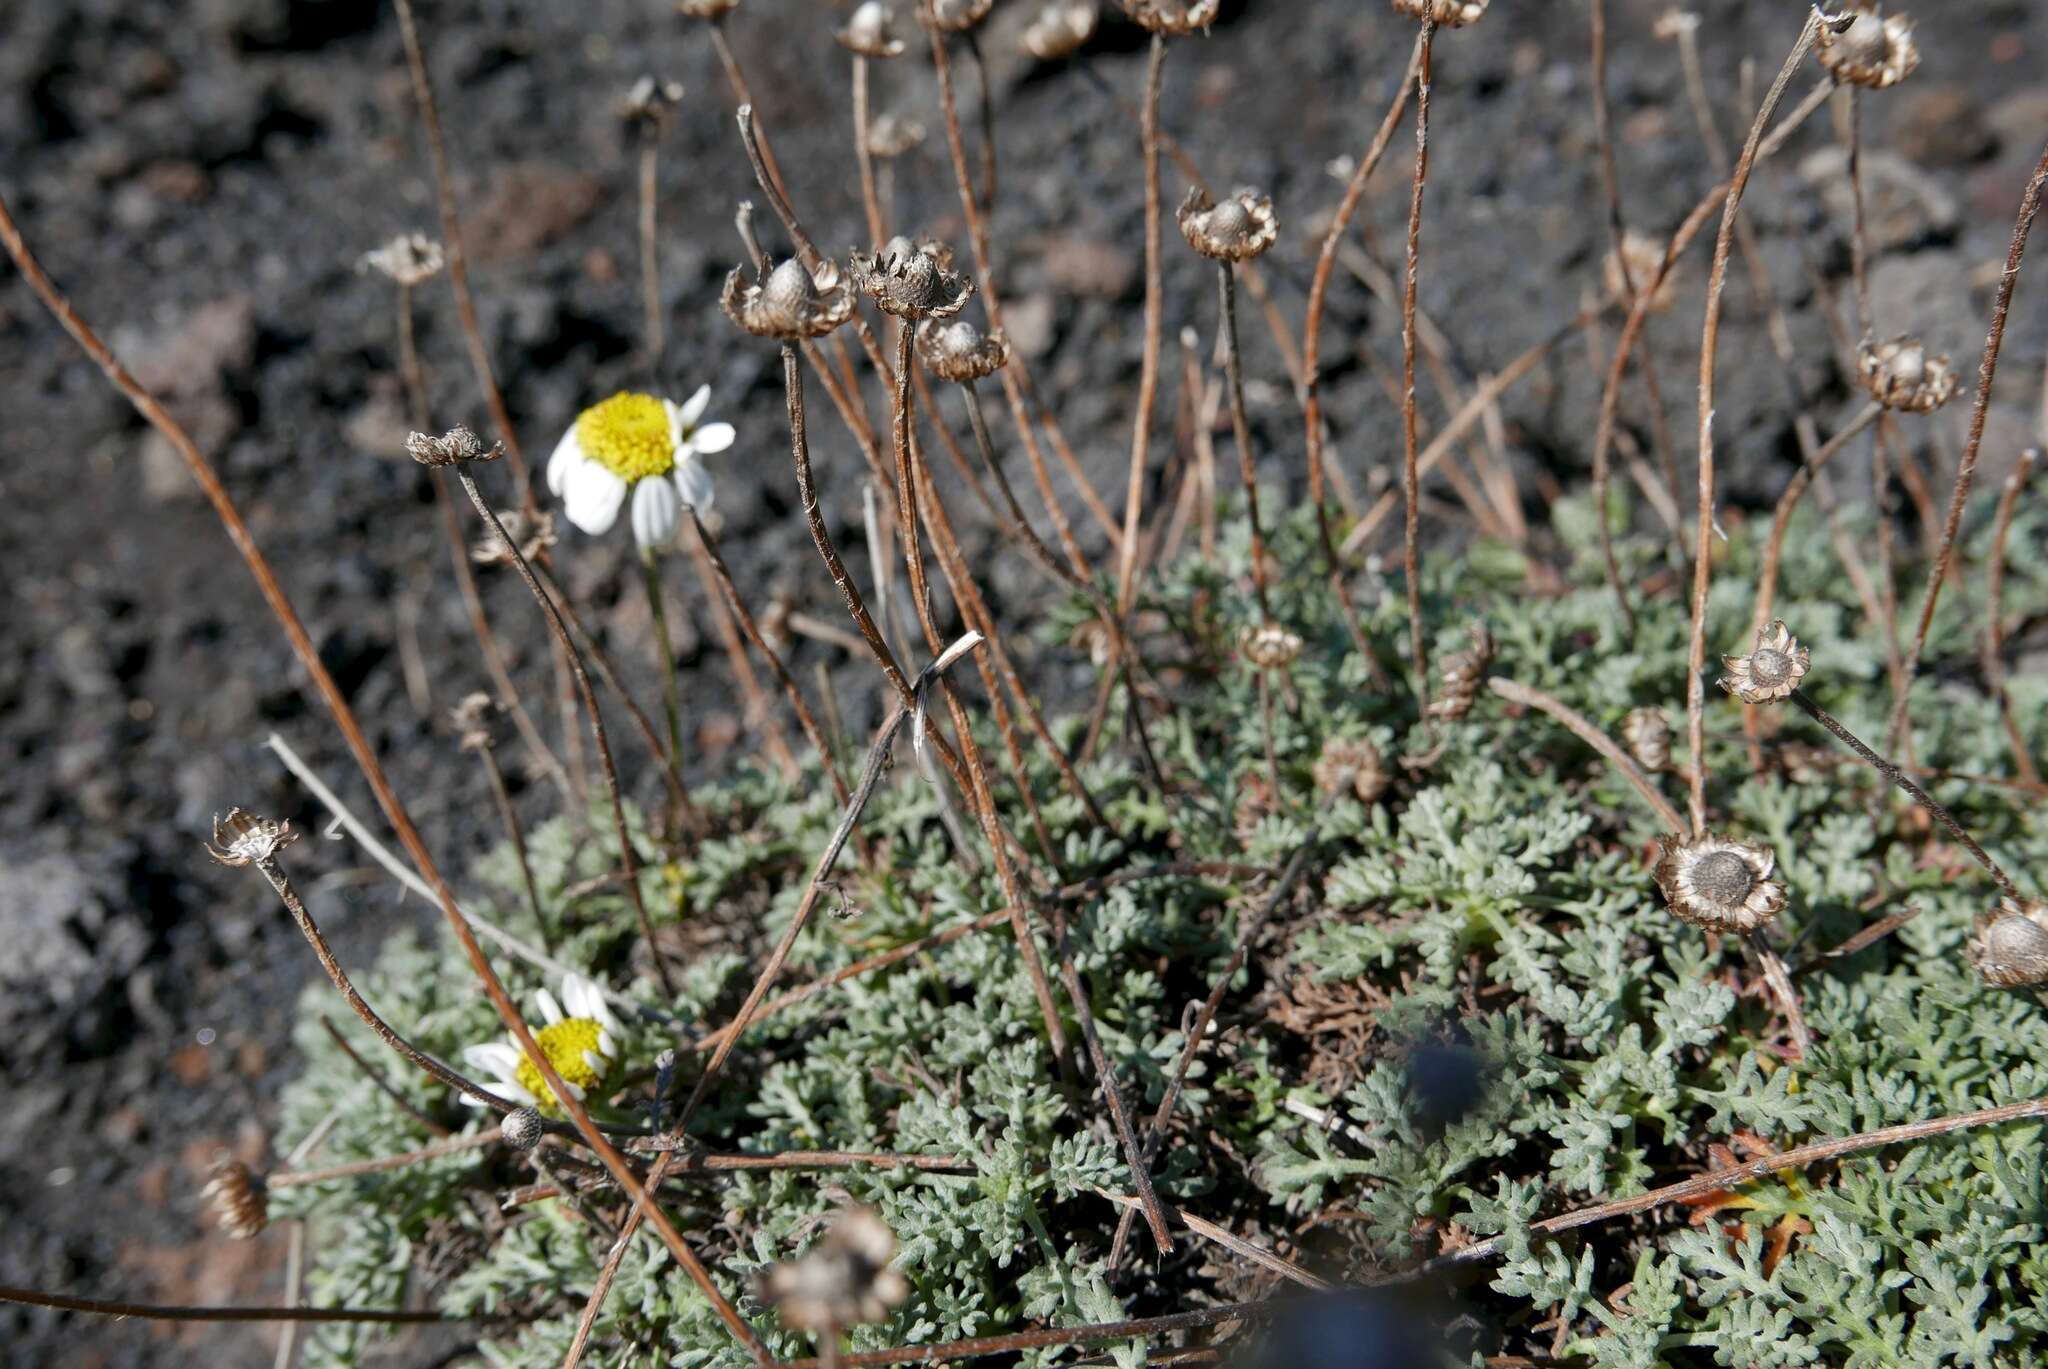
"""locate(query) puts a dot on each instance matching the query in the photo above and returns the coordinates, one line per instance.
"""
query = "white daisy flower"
(643, 445)
(582, 1044)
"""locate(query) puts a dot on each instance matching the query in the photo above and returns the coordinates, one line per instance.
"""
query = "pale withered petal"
(242, 837)
(911, 281)
(1460, 676)
(1648, 734)
(532, 533)
(1771, 671)
(1173, 16)
(238, 1198)
(1900, 375)
(1238, 228)
(892, 135)
(2011, 951)
(409, 259)
(1270, 646)
(956, 16)
(1354, 764)
(960, 352)
(1062, 28)
(791, 304)
(1718, 884)
(844, 1280)
(1452, 14)
(1643, 255)
(706, 9)
(871, 31)
(456, 447)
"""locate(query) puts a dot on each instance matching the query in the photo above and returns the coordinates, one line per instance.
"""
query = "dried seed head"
(892, 135)
(1648, 734)
(1352, 763)
(1644, 256)
(408, 259)
(1238, 228)
(871, 31)
(650, 102)
(1770, 672)
(791, 304)
(1172, 16)
(1095, 638)
(2011, 952)
(956, 16)
(706, 9)
(532, 533)
(1871, 50)
(1675, 23)
(1062, 28)
(472, 719)
(240, 1202)
(456, 447)
(1270, 646)
(240, 838)
(843, 1280)
(1462, 673)
(1717, 884)
(1900, 375)
(1452, 14)
(912, 280)
(960, 352)
(522, 1128)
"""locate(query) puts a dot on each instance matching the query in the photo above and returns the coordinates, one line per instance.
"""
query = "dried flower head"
(240, 1202)
(791, 304)
(960, 352)
(956, 16)
(531, 533)
(912, 280)
(1900, 375)
(1269, 646)
(242, 838)
(843, 1280)
(892, 135)
(408, 259)
(1675, 23)
(522, 1128)
(1352, 763)
(1062, 28)
(1648, 734)
(1452, 14)
(456, 447)
(472, 719)
(1173, 16)
(1870, 50)
(1644, 257)
(1717, 884)
(706, 9)
(1238, 228)
(1461, 674)
(1771, 671)
(871, 31)
(2011, 952)
(649, 102)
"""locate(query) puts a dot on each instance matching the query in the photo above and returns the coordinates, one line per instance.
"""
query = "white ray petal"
(655, 510)
(591, 496)
(550, 1010)
(712, 438)
(568, 452)
(693, 484)
(693, 408)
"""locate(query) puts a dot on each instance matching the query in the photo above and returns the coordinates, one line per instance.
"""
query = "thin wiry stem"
(759, 712)
(664, 648)
(329, 692)
(1987, 371)
(1699, 1186)
(454, 1145)
(655, 336)
(864, 158)
(1994, 618)
(516, 834)
(1148, 373)
(1912, 790)
(1240, 428)
(1610, 751)
(1411, 481)
(1710, 336)
(457, 255)
(140, 1311)
(982, 1346)
(1781, 517)
(1779, 980)
(377, 1079)
(629, 859)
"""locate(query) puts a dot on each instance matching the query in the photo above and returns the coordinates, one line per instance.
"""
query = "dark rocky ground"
(202, 177)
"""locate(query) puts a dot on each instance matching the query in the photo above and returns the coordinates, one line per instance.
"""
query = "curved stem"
(1411, 481)
(1240, 428)
(1592, 736)
(1148, 372)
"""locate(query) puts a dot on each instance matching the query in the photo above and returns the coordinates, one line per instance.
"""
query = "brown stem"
(1240, 428)
(359, 747)
(1038, 1338)
(1710, 336)
(377, 1079)
(665, 652)
(1994, 618)
(650, 251)
(1779, 980)
(1781, 517)
(100, 1307)
(1411, 481)
(1148, 374)
(988, 125)
(1912, 790)
(743, 99)
(1987, 371)
(516, 834)
(759, 712)
(1802, 1157)
(1592, 736)
(454, 1145)
(629, 859)
(457, 254)
(870, 198)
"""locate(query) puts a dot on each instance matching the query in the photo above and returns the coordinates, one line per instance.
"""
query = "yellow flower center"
(564, 1044)
(628, 435)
